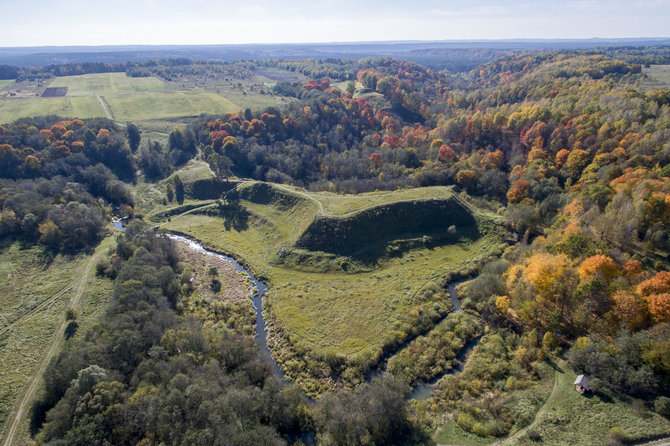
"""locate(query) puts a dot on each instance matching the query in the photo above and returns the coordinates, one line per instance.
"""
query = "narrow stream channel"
(424, 389)
(257, 292)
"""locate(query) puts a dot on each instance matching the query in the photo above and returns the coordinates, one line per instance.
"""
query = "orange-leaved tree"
(657, 292)
(518, 191)
(630, 309)
(600, 265)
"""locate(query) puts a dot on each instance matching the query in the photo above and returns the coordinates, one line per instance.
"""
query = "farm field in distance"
(132, 98)
(139, 106)
(82, 106)
(106, 83)
(658, 77)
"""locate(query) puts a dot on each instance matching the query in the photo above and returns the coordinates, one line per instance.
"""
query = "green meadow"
(81, 107)
(106, 83)
(35, 293)
(163, 104)
(658, 77)
(326, 302)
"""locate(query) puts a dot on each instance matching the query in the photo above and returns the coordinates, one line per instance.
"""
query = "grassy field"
(106, 83)
(80, 107)
(335, 204)
(131, 98)
(452, 433)
(658, 77)
(567, 417)
(571, 418)
(162, 104)
(252, 100)
(352, 314)
(5, 82)
(34, 296)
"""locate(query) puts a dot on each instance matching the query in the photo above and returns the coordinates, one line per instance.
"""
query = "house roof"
(582, 381)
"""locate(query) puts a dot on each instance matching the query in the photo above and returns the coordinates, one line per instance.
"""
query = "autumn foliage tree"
(630, 309)
(445, 154)
(466, 177)
(657, 292)
(376, 158)
(601, 265)
(518, 191)
(550, 299)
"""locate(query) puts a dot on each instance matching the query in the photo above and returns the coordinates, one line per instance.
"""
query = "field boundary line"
(104, 106)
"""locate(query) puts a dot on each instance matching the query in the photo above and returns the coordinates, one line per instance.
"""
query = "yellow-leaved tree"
(553, 279)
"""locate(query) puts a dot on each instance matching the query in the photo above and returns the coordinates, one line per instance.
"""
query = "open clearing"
(5, 82)
(658, 77)
(568, 417)
(571, 418)
(81, 107)
(34, 296)
(139, 106)
(331, 310)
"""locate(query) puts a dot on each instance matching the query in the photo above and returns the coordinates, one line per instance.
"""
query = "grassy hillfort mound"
(349, 235)
(334, 311)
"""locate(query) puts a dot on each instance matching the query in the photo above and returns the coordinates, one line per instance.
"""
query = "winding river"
(420, 392)
(258, 290)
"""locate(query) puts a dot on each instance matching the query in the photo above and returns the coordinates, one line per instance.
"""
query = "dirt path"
(537, 414)
(104, 106)
(522, 431)
(50, 351)
(184, 213)
(302, 194)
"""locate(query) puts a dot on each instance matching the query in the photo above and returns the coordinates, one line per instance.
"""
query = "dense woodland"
(61, 180)
(565, 145)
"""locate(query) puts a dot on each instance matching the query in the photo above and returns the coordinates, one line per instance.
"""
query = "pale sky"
(155, 22)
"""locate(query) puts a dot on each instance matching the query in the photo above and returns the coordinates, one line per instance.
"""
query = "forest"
(567, 147)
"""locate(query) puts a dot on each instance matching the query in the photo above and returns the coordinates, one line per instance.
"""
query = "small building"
(582, 384)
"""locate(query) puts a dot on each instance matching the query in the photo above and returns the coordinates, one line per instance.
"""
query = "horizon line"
(357, 42)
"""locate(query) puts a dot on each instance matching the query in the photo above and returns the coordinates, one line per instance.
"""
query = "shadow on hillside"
(235, 216)
(362, 241)
(391, 230)
(403, 243)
